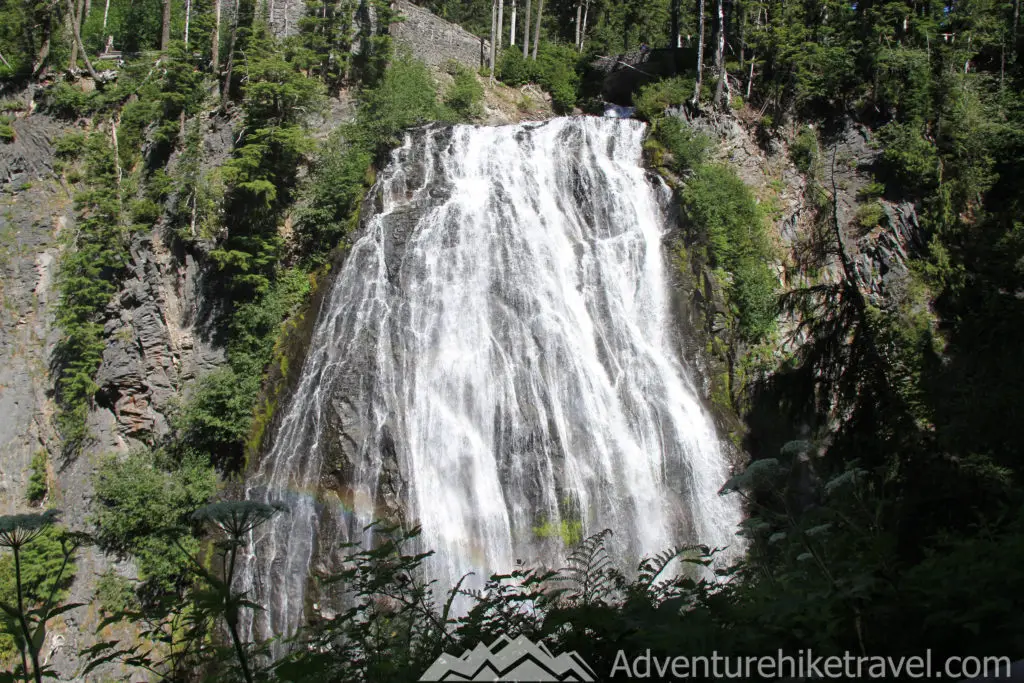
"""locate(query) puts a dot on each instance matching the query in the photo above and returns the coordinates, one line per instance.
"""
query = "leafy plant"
(37, 481)
(29, 596)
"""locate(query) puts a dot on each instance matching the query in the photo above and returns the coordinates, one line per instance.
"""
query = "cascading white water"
(496, 356)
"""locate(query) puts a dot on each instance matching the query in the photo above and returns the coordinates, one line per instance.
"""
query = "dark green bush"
(722, 208)
(653, 99)
(514, 69)
(804, 150)
(687, 147)
(37, 480)
(142, 508)
(464, 96)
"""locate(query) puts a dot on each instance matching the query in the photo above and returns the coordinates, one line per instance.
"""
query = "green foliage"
(142, 508)
(555, 70)
(869, 215)
(42, 558)
(464, 97)
(569, 531)
(6, 129)
(910, 161)
(723, 211)
(686, 146)
(90, 269)
(341, 174)
(115, 593)
(514, 69)
(653, 99)
(804, 150)
(216, 418)
(406, 96)
(326, 38)
(37, 480)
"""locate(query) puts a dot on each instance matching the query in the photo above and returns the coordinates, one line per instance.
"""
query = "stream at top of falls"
(497, 361)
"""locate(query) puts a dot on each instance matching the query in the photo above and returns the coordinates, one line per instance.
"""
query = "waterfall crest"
(497, 362)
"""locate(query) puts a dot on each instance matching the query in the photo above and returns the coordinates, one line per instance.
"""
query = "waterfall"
(496, 361)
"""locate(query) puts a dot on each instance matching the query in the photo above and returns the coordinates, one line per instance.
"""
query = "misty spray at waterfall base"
(496, 356)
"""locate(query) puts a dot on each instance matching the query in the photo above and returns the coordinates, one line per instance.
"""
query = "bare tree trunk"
(700, 52)
(78, 42)
(165, 34)
(188, 17)
(501, 25)
(579, 18)
(76, 21)
(44, 48)
(512, 29)
(106, 13)
(526, 31)
(742, 21)
(583, 28)
(536, 32)
(214, 39)
(231, 57)
(1013, 31)
(494, 42)
(723, 75)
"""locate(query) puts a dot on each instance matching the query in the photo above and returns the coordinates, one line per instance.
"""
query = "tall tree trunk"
(106, 13)
(1013, 31)
(526, 31)
(742, 24)
(700, 52)
(501, 25)
(165, 34)
(44, 47)
(76, 21)
(579, 18)
(231, 56)
(188, 17)
(512, 28)
(723, 75)
(78, 41)
(536, 31)
(583, 28)
(494, 42)
(215, 39)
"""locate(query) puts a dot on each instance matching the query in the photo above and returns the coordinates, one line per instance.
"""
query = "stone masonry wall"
(435, 40)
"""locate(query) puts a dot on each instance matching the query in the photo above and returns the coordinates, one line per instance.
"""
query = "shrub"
(687, 146)
(804, 150)
(723, 209)
(464, 96)
(556, 72)
(142, 508)
(909, 161)
(514, 69)
(406, 96)
(6, 129)
(653, 99)
(37, 481)
(40, 560)
(217, 416)
(869, 215)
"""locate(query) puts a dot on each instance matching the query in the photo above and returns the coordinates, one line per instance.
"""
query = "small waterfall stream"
(496, 356)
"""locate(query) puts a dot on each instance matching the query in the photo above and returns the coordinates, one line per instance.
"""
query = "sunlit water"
(501, 334)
